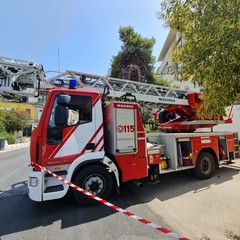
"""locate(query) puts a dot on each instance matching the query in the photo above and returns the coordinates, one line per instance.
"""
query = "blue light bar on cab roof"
(73, 84)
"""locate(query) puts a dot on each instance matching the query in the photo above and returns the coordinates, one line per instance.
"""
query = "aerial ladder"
(175, 109)
(18, 78)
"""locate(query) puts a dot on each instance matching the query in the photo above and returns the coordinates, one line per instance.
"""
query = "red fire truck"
(96, 139)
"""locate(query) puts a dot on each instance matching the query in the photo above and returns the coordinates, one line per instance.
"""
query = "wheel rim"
(94, 184)
(205, 166)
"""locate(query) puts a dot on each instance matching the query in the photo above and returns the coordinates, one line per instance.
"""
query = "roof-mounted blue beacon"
(73, 84)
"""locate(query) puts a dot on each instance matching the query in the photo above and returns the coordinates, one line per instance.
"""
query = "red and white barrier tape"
(142, 220)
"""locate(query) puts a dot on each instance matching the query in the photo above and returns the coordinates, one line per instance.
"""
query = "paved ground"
(202, 210)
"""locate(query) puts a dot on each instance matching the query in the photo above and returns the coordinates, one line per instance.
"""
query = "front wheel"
(205, 166)
(96, 180)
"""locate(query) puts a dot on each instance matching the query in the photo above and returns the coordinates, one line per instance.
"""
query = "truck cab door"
(71, 128)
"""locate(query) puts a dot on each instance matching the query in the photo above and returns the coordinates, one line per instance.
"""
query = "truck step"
(56, 188)
(59, 173)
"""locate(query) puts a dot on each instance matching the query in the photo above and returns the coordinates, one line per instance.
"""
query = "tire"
(96, 180)
(205, 166)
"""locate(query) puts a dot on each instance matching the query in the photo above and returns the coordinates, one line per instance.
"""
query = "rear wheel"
(96, 180)
(205, 166)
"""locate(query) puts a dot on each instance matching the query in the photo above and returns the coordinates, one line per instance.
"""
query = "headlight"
(33, 181)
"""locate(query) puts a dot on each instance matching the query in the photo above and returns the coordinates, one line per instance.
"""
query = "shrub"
(9, 137)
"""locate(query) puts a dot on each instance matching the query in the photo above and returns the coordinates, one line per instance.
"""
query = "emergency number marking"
(125, 128)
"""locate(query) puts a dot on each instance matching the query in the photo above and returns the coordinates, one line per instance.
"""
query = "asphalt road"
(21, 218)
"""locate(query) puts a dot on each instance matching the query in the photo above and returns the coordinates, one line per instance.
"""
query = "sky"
(80, 35)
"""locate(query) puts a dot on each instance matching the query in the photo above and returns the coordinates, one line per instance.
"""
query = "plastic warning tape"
(142, 220)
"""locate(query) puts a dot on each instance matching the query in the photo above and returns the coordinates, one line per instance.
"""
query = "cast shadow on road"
(172, 185)
(18, 213)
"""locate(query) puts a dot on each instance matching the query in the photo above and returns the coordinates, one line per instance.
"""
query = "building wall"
(166, 63)
(167, 67)
(20, 106)
(235, 125)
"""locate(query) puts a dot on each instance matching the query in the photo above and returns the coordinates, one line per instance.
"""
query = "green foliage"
(148, 121)
(9, 137)
(158, 80)
(146, 115)
(3, 113)
(135, 50)
(16, 120)
(211, 49)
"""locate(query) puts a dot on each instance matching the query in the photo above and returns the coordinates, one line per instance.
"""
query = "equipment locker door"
(125, 130)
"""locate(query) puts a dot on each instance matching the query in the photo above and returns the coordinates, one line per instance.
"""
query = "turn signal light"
(33, 181)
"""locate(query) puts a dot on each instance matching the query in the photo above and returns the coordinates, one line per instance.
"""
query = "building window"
(165, 69)
(180, 41)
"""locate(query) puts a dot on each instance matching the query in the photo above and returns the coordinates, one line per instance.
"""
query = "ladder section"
(148, 95)
(21, 78)
(16, 76)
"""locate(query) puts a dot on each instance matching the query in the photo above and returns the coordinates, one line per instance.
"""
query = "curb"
(16, 146)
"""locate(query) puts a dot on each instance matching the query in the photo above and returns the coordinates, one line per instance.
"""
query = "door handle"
(90, 146)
